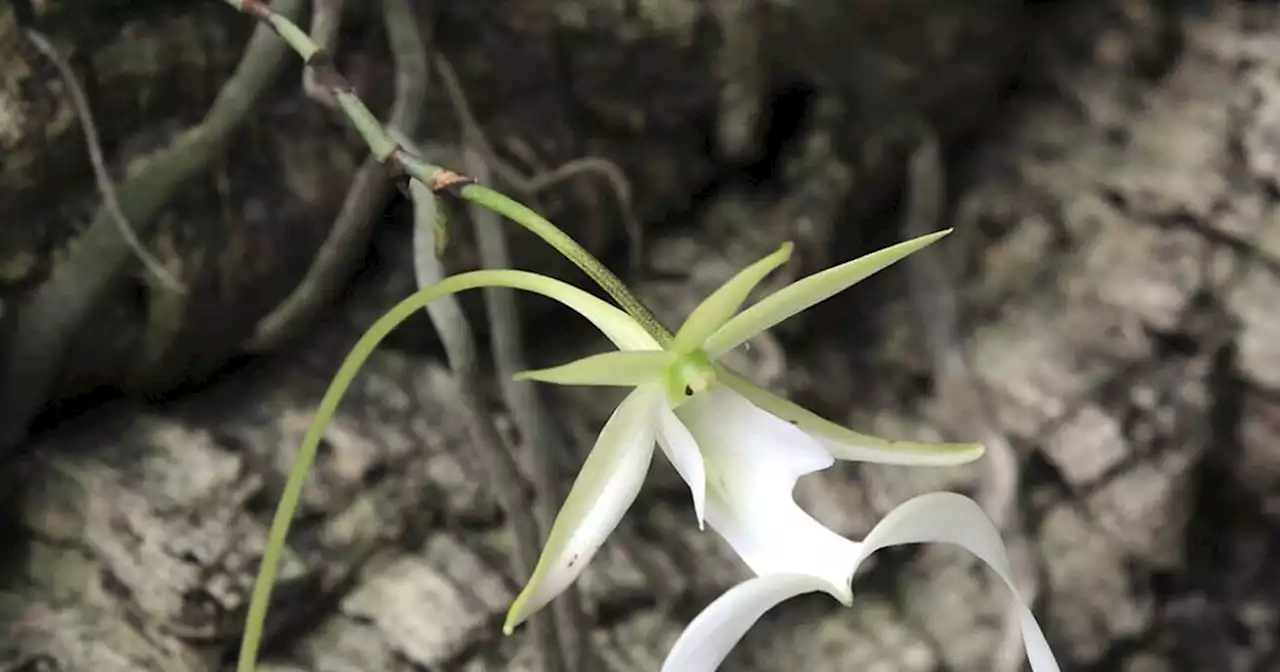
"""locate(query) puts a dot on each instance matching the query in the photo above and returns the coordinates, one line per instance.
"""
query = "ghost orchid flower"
(687, 402)
(940, 517)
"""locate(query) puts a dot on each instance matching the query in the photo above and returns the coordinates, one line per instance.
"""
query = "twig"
(387, 150)
(326, 25)
(101, 175)
(59, 308)
(563, 633)
(459, 344)
(370, 188)
(934, 295)
(531, 185)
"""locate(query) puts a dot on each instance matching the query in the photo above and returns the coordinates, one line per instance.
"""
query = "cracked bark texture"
(1119, 288)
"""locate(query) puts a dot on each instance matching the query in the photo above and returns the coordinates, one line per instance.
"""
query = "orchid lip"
(939, 517)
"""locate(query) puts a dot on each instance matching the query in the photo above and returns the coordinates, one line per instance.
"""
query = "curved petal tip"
(950, 518)
(623, 368)
(714, 632)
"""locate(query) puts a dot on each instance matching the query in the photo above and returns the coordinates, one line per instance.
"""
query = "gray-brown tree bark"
(1116, 270)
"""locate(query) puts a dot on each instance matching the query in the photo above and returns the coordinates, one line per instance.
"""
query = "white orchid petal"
(718, 308)
(628, 368)
(682, 450)
(949, 518)
(606, 486)
(707, 640)
(804, 293)
(731, 429)
(776, 536)
(844, 443)
(940, 517)
(753, 461)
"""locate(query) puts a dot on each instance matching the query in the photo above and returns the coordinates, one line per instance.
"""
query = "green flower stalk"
(614, 323)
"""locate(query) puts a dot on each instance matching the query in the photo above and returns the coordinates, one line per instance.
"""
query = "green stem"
(386, 150)
(566, 245)
(260, 600)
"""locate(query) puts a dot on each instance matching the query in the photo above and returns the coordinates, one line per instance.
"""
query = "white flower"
(733, 442)
(940, 517)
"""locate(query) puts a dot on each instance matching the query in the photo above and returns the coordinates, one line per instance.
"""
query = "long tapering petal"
(844, 443)
(950, 518)
(939, 517)
(804, 293)
(683, 452)
(606, 486)
(711, 635)
(718, 308)
(628, 368)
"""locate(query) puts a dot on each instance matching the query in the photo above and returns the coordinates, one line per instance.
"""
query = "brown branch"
(338, 256)
(389, 151)
(326, 25)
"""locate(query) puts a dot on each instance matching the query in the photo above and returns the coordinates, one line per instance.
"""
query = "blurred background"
(1106, 319)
